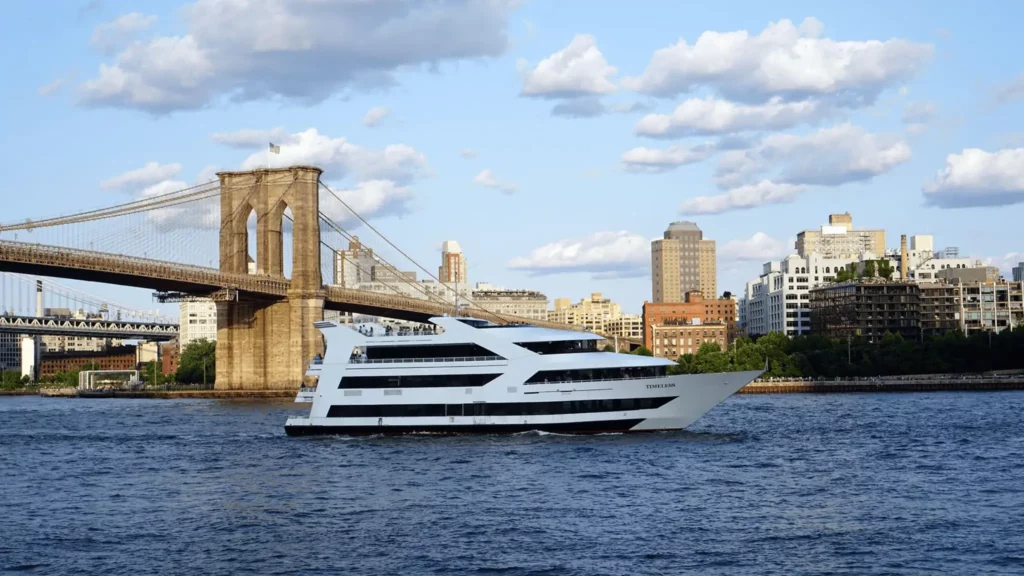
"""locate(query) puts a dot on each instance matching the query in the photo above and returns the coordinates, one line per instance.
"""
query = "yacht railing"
(598, 380)
(425, 360)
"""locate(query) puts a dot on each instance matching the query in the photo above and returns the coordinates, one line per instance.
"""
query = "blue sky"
(553, 140)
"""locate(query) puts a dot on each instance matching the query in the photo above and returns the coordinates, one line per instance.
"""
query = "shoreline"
(780, 387)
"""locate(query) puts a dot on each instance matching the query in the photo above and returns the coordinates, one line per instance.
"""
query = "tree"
(25, 380)
(885, 269)
(869, 269)
(10, 378)
(608, 348)
(642, 351)
(845, 274)
(197, 363)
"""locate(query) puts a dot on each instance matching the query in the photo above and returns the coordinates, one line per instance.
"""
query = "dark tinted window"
(426, 351)
(560, 347)
(433, 381)
(548, 376)
(498, 408)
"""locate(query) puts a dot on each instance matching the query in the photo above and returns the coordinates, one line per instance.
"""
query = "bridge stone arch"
(268, 344)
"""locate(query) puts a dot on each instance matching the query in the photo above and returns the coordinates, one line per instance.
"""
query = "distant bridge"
(92, 327)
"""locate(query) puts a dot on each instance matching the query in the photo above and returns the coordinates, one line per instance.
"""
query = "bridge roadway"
(91, 327)
(58, 262)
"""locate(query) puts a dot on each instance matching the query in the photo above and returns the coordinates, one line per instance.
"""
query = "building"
(681, 262)
(354, 265)
(779, 300)
(519, 303)
(866, 309)
(993, 306)
(927, 269)
(453, 264)
(119, 358)
(840, 240)
(1018, 272)
(625, 326)
(693, 309)
(676, 338)
(169, 352)
(969, 275)
(391, 275)
(197, 319)
(948, 252)
(10, 351)
(590, 313)
(424, 290)
(939, 308)
(57, 343)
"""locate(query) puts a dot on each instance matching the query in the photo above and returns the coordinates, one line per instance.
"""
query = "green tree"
(197, 363)
(885, 269)
(869, 269)
(608, 348)
(642, 351)
(10, 378)
(684, 365)
(710, 358)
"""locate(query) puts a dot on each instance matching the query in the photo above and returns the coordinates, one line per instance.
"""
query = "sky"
(552, 140)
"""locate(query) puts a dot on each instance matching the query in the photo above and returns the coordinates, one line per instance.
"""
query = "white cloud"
(593, 106)
(715, 116)
(111, 36)
(607, 254)
(743, 197)
(251, 138)
(370, 198)
(150, 174)
(783, 60)
(468, 153)
(976, 177)
(1006, 262)
(829, 157)
(202, 214)
(376, 115)
(578, 69)
(919, 112)
(1010, 91)
(295, 49)
(51, 88)
(207, 174)
(338, 157)
(760, 247)
(487, 178)
(656, 160)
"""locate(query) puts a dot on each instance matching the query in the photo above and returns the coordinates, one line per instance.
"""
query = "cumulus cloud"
(150, 174)
(577, 70)
(487, 178)
(743, 197)
(919, 112)
(468, 153)
(251, 138)
(376, 115)
(111, 36)
(760, 247)
(656, 160)
(976, 177)
(711, 115)
(829, 157)
(370, 198)
(1010, 91)
(604, 254)
(294, 49)
(785, 60)
(338, 157)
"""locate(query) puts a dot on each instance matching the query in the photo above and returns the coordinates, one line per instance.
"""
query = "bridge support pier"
(263, 344)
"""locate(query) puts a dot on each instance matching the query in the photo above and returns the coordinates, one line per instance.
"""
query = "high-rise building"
(197, 319)
(590, 313)
(1018, 272)
(839, 239)
(453, 264)
(354, 265)
(681, 262)
(10, 351)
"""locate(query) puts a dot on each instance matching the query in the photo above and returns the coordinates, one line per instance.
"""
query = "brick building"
(114, 358)
(695, 309)
(169, 352)
(676, 338)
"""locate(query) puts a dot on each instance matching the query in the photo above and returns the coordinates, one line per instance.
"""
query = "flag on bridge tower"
(275, 149)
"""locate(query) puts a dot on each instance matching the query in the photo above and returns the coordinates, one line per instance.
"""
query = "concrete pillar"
(261, 344)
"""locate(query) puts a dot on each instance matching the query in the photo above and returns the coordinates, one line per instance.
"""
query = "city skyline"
(552, 145)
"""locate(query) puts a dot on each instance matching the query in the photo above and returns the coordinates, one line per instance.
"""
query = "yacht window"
(560, 346)
(428, 351)
(496, 408)
(419, 381)
(583, 375)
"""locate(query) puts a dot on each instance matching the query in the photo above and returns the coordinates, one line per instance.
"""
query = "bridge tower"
(267, 344)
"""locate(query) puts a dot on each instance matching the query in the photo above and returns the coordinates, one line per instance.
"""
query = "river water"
(927, 483)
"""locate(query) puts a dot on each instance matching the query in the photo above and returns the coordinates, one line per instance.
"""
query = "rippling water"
(789, 484)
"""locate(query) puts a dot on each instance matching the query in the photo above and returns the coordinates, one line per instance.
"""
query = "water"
(788, 484)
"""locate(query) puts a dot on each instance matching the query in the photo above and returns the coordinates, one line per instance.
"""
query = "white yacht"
(472, 376)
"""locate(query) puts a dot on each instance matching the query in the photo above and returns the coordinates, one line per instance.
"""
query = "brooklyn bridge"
(195, 242)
